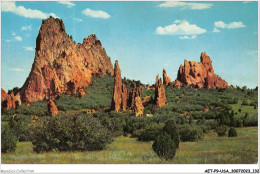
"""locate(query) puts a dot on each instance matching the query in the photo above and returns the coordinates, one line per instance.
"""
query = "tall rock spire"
(159, 95)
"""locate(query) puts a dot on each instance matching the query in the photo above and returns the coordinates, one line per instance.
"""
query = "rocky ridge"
(199, 74)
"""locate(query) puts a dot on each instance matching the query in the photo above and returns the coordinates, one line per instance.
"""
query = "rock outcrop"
(166, 79)
(120, 94)
(131, 100)
(138, 106)
(61, 65)
(159, 95)
(135, 101)
(199, 74)
(4, 96)
(8, 100)
(122, 99)
(52, 109)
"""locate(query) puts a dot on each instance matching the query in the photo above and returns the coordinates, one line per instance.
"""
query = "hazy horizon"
(144, 37)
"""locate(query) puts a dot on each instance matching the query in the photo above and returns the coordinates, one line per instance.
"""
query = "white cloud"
(26, 28)
(78, 19)
(7, 40)
(220, 24)
(29, 48)
(184, 37)
(236, 25)
(187, 37)
(215, 30)
(95, 13)
(16, 69)
(18, 38)
(186, 5)
(68, 3)
(180, 28)
(245, 2)
(232, 25)
(9, 6)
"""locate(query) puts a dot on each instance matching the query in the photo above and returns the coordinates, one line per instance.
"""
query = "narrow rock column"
(160, 98)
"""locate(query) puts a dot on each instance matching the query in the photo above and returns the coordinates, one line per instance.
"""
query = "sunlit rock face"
(199, 74)
(62, 66)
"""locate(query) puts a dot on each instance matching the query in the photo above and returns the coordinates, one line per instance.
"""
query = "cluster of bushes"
(20, 126)
(38, 108)
(182, 107)
(190, 132)
(167, 140)
(226, 117)
(250, 120)
(98, 95)
(221, 131)
(149, 132)
(8, 139)
(207, 115)
(113, 121)
(76, 132)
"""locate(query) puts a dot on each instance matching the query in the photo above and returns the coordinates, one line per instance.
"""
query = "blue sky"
(144, 36)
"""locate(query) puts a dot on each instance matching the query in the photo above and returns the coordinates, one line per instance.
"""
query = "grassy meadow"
(213, 149)
(244, 109)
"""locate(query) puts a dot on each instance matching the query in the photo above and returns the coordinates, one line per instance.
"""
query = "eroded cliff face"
(199, 74)
(61, 65)
(8, 100)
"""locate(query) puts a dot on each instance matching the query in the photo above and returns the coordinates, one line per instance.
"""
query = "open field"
(244, 109)
(124, 150)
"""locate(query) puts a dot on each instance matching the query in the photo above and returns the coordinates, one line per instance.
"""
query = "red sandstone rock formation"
(8, 100)
(120, 94)
(138, 106)
(61, 65)
(199, 74)
(159, 95)
(121, 99)
(4, 95)
(52, 109)
(124, 97)
(135, 101)
(132, 95)
(166, 79)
